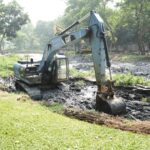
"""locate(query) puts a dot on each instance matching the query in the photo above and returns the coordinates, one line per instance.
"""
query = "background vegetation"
(127, 25)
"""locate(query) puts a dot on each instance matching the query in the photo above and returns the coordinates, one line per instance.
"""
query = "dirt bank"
(110, 121)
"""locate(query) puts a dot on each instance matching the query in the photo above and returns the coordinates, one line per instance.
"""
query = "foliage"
(135, 22)
(28, 125)
(44, 31)
(80, 83)
(26, 39)
(12, 18)
(33, 39)
(127, 22)
(129, 79)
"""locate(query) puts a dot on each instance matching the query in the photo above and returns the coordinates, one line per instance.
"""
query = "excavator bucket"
(114, 106)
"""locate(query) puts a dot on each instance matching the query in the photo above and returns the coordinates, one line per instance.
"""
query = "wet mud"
(80, 94)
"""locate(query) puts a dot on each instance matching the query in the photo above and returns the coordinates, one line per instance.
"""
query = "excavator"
(32, 75)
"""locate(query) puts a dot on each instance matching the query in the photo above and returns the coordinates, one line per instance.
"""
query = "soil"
(110, 121)
(82, 97)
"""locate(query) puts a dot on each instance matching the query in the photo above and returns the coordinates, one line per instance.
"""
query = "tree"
(44, 31)
(79, 8)
(136, 18)
(12, 18)
(26, 39)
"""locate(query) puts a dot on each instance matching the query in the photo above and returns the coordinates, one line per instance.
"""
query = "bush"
(129, 79)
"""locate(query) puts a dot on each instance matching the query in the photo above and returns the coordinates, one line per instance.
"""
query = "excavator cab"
(59, 69)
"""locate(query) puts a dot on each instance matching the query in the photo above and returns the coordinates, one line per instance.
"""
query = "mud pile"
(7, 84)
(110, 121)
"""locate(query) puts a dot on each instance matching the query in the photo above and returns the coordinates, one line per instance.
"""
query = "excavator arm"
(105, 99)
(56, 44)
(96, 36)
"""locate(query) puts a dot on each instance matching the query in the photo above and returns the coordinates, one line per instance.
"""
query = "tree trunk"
(141, 47)
(141, 42)
(1, 42)
(140, 29)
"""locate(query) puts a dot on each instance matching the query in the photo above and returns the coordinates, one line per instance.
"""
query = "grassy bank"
(6, 65)
(28, 125)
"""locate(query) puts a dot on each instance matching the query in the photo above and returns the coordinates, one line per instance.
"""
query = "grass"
(129, 57)
(28, 125)
(54, 107)
(6, 65)
(80, 83)
(81, 74)
(120, 79)
(129, 79)
(146, 99)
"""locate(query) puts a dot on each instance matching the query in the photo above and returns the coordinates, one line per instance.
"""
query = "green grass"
(146, 99)
(135, 58)
(54, 107)
(81, 74)
(80, 83)
(6, 65)
(129, 57)
(27, 125)
(129, 79)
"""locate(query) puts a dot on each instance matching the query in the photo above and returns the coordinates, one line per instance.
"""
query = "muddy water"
(137, 68)
(73, 95)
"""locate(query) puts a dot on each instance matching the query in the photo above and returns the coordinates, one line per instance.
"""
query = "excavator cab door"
(62, 68)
